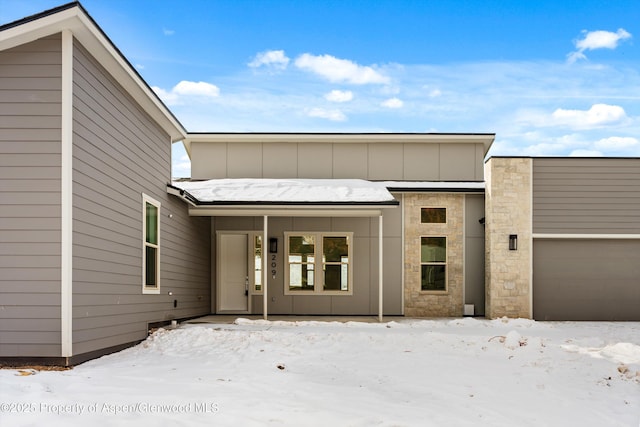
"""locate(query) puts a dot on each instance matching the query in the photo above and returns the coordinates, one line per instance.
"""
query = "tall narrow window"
(151, 245)
(257, 263)
(302, 262)
(335, 263)
(433, 258)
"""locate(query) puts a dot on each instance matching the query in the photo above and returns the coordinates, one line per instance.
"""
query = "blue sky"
(548, 77)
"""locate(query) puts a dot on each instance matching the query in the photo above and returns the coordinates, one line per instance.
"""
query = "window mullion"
(318, 285)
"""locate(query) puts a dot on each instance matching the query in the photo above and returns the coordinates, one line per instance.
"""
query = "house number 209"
(273, 265)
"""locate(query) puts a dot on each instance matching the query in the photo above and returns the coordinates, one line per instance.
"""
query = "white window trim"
(319, 278)
(445, 263)
(148, 290)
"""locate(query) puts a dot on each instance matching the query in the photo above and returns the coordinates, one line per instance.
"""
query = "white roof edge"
(436, 185)
(101, 48)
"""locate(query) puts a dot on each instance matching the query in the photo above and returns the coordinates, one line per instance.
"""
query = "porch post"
(380, 270)
(265, 266)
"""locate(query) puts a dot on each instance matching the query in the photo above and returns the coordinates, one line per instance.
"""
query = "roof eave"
(290, 210)
(74, 18)
(280, 208)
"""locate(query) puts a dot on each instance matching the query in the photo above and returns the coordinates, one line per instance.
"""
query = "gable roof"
(72, 16)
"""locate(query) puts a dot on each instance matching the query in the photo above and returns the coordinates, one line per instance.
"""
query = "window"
(433, 260)
(433, 215)
(150, 245)
(335, 263)
(301, 256)
(257, 263)
(319, 263)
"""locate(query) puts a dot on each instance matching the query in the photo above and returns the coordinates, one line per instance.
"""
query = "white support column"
(265, 265)
(66, 197)
(380, 268)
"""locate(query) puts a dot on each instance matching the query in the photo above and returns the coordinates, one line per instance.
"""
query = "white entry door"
(233, 277)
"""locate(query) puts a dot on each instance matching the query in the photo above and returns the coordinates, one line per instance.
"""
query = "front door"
(233, 278)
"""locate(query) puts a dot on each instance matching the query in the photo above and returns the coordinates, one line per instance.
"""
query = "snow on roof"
(287, 190)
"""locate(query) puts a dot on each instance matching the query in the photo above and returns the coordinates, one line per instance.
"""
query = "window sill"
(445, 292)
(325, 293)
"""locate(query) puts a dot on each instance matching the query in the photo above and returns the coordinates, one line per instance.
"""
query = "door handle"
(246, 286)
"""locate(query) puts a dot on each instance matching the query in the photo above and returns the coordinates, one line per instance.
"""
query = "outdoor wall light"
(513, 242)
(273, 245)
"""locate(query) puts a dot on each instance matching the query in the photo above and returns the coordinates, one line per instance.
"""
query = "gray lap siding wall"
(587, 196)
(119, 152)
(30, 106)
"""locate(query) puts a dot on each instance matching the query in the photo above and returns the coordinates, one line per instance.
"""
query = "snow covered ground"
(460, 372)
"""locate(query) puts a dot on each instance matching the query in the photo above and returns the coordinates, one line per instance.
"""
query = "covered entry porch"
(295, 246)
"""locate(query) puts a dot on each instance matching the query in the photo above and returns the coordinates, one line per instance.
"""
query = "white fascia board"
(101, 48)
(421, 186)
(609, 236)
(92, 38)
(37, 29)
(317, 211)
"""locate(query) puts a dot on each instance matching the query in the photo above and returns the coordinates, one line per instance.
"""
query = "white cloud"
(274, 59)
(168, 32)
(339, 96)
(201, 90)
(616, 143)
(392, 103)
(432, 92)
(597, 115)
(340, 70)
(333, 115)
(197, 89)
(597, 40)
(167, 97)
(139, 66)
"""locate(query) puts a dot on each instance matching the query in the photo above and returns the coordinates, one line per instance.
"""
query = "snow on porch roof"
(286, 192)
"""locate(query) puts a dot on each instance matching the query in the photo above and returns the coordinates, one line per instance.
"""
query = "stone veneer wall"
(447, 303)
(508, 211)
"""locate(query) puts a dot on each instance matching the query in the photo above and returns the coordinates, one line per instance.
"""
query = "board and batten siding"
(364, 300)
(412, 161)
(119, 153)
(586, 195)
(30, 210)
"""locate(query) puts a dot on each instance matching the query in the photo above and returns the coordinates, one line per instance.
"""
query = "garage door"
(583, 279)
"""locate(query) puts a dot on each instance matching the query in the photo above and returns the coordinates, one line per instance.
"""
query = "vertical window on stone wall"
(433, 263)
(433, 215)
